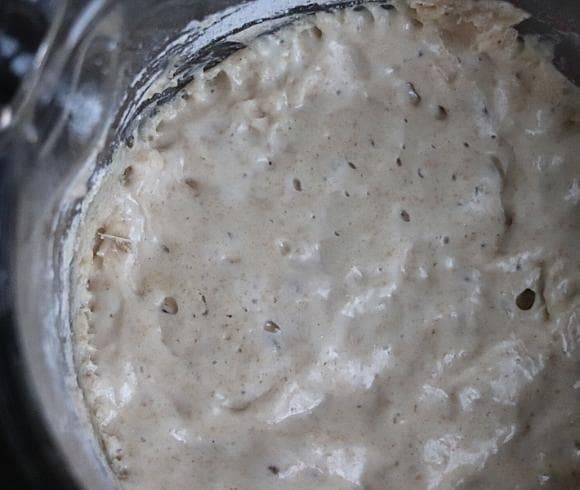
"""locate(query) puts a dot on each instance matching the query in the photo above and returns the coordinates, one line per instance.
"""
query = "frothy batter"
(346, 257)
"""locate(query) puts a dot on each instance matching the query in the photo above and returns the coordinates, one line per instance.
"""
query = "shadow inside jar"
(556, 22)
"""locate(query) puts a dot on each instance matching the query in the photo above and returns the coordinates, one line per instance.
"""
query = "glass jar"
(96, 76)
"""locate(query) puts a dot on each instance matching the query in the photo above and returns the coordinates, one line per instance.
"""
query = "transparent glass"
(96, 75)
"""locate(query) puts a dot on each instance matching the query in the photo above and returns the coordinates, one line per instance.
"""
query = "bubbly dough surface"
(347, 257)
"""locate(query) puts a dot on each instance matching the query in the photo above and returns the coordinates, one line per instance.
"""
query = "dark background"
(27, 459)
(23, 24)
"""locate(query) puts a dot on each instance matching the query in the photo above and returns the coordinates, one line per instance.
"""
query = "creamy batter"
(346, 257)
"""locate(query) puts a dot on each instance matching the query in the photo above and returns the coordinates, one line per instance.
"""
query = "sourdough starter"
(346, 257)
